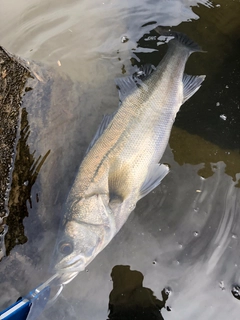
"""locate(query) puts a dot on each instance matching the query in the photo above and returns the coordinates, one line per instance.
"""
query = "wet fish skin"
(122, 163)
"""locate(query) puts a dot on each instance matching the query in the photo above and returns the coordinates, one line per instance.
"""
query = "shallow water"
(184, 235)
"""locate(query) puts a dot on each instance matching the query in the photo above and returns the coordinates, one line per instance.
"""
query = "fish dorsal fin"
(190, 85)
(107, 118)
(155, 175)
(144, 72)
(127, 85)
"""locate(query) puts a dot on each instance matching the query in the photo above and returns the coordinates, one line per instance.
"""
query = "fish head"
(86, 229)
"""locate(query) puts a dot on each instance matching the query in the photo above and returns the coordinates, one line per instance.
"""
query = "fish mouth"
(74, 265)
(65, 278)
(67, 271)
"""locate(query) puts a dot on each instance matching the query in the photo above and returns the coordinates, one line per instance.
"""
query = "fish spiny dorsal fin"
(155, 175)
(126, 85)
(107, 118)
(190, 85)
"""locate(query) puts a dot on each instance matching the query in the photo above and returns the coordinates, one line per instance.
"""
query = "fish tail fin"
(183, 40)
(179, 39)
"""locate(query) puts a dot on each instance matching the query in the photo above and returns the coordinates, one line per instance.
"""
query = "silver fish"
(122, 162)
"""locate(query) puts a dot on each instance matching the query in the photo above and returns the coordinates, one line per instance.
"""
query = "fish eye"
(65, 248)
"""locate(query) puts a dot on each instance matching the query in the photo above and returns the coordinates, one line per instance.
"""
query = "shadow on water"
(130, 300)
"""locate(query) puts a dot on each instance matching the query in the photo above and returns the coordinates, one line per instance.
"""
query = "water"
(184, 236)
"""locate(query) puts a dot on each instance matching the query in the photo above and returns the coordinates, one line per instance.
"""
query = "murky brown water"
(184, 235)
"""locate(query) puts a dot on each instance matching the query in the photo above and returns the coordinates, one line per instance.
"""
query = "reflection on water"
(185, 234)
(13, 77)
(24, 175)
(184, 149)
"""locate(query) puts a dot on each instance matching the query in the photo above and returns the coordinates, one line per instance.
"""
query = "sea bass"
(122, 162)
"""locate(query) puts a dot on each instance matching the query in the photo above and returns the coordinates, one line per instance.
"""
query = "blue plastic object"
(17, 311)
(30, 306)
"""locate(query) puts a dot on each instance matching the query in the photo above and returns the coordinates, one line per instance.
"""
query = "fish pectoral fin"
(155, 175)
(107, 118)
(191, 84)
(114, 199)
(119, 185)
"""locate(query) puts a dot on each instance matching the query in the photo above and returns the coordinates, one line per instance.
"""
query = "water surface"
(184, 235)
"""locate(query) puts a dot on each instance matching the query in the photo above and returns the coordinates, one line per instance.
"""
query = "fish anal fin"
(155, 175)
(190, 85)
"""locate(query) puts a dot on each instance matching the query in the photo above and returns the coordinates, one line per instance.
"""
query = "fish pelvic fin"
(154, 177)
(190, 85)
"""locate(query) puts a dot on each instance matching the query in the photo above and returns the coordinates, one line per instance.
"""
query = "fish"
(121, 165)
